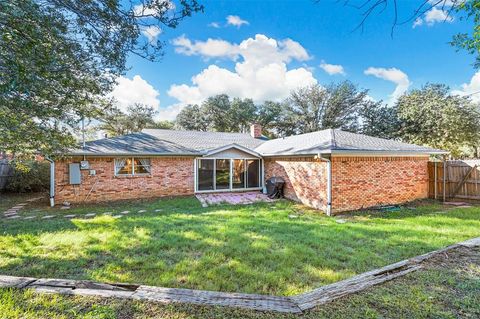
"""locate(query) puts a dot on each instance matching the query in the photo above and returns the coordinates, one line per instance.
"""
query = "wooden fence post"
(444, 178)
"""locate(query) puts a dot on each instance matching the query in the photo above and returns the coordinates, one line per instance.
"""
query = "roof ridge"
(333, 141)
(193, 131)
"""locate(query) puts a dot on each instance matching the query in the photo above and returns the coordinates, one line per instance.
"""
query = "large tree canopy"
(222, 114)
(431, 116)
(138, 116)
(316, 108)
(58, 59)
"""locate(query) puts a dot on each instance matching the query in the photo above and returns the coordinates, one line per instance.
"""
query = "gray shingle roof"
(166, 142)
(337, 141)
(170, 142)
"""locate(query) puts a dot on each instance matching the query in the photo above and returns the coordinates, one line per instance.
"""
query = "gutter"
(329, 183)
(52, 181)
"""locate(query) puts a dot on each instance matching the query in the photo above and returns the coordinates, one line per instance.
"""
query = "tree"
(192, 118)
(217, 111)
(58, 59)
(270, 115)
(431, 116)
(379, 120)
(242, 115)
(138, 116)
(166, 125)
(316, 108)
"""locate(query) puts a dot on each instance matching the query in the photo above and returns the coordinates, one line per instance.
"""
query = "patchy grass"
(8, 200)
(446, 288)
(254, 249)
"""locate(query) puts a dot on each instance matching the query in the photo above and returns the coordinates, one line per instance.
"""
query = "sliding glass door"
(228, 174)
(205, 175)
(222, 174)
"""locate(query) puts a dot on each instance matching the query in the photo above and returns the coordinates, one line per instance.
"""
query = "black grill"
(275, 187)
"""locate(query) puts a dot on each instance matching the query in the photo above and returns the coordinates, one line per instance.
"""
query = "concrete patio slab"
(232, 198)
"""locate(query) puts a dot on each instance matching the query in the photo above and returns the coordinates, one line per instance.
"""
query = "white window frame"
(133, 166)
(230, 189)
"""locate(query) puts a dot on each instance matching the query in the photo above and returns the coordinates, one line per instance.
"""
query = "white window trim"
(133, 167)
(230, 189)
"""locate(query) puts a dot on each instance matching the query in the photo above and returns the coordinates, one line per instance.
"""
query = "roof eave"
(131, 154)
(362, 153)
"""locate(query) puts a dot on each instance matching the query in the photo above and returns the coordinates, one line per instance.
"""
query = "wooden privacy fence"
(454, 179)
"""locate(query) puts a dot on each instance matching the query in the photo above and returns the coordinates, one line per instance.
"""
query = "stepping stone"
(455, 203)
(70, 216)
(65, 207)
(90, 215)
(13, 217)
(292, 216)
(158, 210)
(10, 214)
(142, 211)
(108, 213)
(48, 216)
(117, 216)
(29, 217)
(16, 207)
(22, 204)
(125, 212)
(341, 221)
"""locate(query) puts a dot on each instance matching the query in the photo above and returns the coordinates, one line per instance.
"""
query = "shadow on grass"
(255, 248)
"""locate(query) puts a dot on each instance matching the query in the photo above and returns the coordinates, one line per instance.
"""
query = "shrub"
(32, 176)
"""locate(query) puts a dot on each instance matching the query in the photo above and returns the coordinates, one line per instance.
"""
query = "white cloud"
(169, 113)
(393, 75)
(470, 88)
(151, 32)
(212, 48)
(215, 25)
(332, 69)
(418, 22)
(435, 15)
(136, 90)
(236, 21)
(260, 73)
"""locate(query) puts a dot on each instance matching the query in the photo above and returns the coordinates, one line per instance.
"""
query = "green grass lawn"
(255, 248)
(444, 288)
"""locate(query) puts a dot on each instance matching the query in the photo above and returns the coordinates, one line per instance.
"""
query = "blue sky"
(289, 41)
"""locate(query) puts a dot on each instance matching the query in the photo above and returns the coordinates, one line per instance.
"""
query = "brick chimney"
(256, 130)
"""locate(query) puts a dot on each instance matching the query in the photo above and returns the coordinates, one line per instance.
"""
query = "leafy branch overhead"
(463, 9)
(59, 59)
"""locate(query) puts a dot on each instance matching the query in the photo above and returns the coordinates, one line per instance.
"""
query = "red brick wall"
(306, 179)
(170, 176)
(359, 182)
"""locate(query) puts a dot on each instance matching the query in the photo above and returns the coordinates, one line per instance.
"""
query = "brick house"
(330, 170)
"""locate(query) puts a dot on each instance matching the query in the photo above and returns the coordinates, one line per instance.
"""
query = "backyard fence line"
(454, 179)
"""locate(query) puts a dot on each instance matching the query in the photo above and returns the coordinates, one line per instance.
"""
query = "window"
(132, 166)
(228, 174)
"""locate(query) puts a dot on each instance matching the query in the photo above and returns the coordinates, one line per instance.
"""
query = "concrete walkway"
(294, 304)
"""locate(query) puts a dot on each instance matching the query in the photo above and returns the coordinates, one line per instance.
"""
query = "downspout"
(329, 183)
(52, 181)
